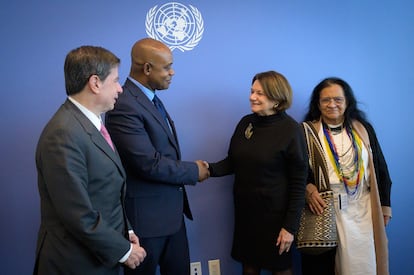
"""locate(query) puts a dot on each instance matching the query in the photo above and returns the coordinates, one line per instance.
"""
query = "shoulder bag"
(317, 233)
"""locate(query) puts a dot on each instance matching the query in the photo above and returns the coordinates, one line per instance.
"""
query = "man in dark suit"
(81, 181)
(147, 141)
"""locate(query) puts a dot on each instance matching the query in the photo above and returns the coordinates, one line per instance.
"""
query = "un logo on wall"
(178, 26)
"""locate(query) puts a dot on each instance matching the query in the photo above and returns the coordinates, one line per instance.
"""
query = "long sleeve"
(298, 174)
(381, 168)
(221, 168)
(81, 204)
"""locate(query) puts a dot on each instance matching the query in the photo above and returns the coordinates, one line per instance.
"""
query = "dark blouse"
(270, 169)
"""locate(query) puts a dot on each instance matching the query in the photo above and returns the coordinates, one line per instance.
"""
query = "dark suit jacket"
(81, 185)
(156, 197)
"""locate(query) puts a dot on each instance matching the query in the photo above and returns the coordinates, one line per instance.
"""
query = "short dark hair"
(352, 111)
(85, 61)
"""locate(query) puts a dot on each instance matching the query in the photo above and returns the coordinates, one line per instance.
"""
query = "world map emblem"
(178, 26)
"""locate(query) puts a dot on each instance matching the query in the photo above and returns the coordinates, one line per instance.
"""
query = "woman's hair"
(276, 87)
(85, 61)
(351, 112)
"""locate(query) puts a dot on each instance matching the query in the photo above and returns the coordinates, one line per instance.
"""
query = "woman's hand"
(386, 220)
(284, 241)
(314, 200)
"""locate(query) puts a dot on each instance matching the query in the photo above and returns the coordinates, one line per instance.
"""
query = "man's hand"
(203, 172)
(133, 238)
(136, 257)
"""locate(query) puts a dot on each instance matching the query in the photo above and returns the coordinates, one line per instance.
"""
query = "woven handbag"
(317, 233)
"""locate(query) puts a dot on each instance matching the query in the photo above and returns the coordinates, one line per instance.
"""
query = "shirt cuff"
(125, 257)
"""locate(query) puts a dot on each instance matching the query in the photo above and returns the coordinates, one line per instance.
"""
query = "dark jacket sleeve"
(381, 169)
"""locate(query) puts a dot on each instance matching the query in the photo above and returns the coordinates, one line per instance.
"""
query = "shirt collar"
(150, 94)
(96, 120)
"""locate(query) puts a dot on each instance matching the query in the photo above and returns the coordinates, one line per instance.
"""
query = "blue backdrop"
(368, 43)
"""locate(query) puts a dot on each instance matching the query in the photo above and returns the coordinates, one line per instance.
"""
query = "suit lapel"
(95, 135)
(143, 100)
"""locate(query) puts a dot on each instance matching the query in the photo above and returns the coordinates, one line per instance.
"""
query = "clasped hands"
(203, 172)
(138, 253)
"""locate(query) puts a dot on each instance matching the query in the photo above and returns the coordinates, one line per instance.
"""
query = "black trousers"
(171, 253)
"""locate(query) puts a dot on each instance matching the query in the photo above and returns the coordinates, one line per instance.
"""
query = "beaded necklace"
(353, 177)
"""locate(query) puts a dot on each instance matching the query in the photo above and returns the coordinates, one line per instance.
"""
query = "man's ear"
(147, 68)
(94, 83)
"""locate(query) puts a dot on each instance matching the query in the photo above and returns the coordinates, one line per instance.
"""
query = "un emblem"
(178, 26)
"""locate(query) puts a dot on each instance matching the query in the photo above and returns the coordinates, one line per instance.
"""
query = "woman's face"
(332, 104)
(259, 102)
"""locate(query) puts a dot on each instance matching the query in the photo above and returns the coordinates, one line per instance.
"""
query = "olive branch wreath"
(149, 27)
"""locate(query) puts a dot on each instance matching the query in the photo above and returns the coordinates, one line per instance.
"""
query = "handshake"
(203, 172)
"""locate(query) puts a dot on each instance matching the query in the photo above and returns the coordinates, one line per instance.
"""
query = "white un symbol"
(176, 25)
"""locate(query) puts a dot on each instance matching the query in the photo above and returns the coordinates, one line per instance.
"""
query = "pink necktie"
(105, 134)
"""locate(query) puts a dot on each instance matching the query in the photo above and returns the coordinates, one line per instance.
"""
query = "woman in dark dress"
(267, 155)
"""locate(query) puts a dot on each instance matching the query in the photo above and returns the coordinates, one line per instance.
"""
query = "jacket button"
(180, 189)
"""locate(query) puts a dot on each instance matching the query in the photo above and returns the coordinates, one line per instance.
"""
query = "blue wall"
(368, 43)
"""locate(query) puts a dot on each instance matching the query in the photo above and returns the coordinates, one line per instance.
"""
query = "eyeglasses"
(327, 100)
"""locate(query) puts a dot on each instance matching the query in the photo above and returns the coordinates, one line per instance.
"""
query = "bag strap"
(317, 159)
